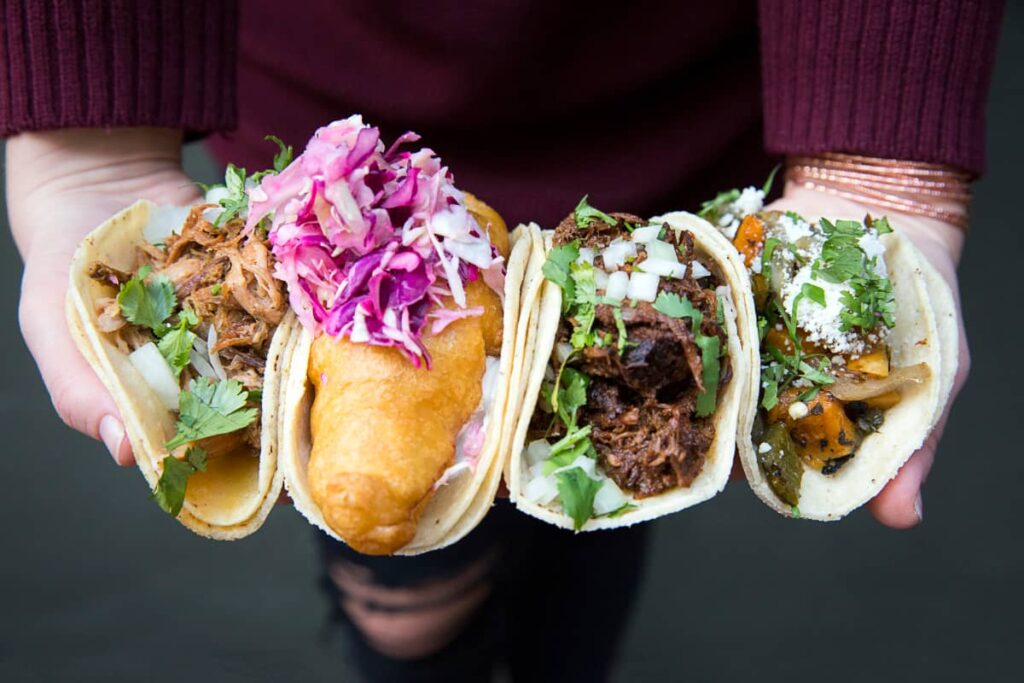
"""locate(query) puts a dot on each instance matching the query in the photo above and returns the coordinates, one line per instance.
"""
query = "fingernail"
(112, 434)
(919, 508)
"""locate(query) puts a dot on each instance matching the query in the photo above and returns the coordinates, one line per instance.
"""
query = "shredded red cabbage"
(372, 242)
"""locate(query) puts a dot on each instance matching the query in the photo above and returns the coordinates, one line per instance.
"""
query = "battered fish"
(384, 431)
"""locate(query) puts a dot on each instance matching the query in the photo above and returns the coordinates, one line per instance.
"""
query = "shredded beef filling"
(641, 403)
(225, 276)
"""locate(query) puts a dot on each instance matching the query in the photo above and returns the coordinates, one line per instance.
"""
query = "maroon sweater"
(645, 105)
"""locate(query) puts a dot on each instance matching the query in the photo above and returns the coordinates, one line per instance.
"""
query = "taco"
(178, 313)
(858, 350)
(638, 362)
(407, 291)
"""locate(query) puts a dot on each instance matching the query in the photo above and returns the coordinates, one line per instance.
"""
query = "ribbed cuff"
(117, 63)
(900, 80)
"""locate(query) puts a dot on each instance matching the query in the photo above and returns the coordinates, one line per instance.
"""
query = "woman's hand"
(61, 185)
(899, 504)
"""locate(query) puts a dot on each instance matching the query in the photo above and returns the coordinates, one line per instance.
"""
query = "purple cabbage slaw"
(372, 241)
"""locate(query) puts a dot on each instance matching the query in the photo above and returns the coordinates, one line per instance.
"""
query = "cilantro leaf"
(711, 207)
(584, 304)
(881, 225)
(620, 326)
(147, 304)
(675, 306)
(208, 409)
(767, 187)
(584, 214)
(284, 153)
(710, 372)
(176, 345)
(576, 491)
(556, 269)
(871, 302)
(572, 395)
(766, 257)
(237, 200)
(169, 493)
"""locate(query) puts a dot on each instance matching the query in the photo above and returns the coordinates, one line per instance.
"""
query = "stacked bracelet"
(911, 187)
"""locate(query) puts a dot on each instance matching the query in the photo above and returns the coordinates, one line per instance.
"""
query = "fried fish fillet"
(384, 431)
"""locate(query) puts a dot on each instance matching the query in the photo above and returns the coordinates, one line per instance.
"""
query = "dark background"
(97, 584)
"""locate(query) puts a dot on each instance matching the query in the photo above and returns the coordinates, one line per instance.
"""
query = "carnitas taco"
(637, 362)
(407, 291)
(179, 314)
(858, 351)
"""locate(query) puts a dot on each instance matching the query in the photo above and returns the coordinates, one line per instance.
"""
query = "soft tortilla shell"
(742, 333)
(925, 332)
(458, 505)
(234, 496)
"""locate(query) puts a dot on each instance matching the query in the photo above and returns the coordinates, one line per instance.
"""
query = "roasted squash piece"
(749, 238)
(874, 363)
(823, 433)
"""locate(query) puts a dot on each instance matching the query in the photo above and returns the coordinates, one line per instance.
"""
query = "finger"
(79, 397)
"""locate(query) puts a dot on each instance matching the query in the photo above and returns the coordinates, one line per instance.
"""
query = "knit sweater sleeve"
(904, 80)
(117, 63)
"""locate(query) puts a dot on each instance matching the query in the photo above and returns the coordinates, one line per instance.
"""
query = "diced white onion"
(642, 286)
(215, 194)
(562, 351)
(663, 268)
(618, 285)
(211, 341)
(584, 463)
(157, 373)
(662, 251)
(537, 451)
(600, 279)
(609, 498)
(198, 359)
(648, 234)
(541, 490)
(698, 270)
(586, 255)
(163, 222)
(615, 254)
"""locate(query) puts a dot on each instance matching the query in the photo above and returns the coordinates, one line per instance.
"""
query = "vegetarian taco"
(858, 349)
(637, 368)
(179, 314)
(393, 414)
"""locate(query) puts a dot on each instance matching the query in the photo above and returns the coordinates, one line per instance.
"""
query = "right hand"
(61, 185)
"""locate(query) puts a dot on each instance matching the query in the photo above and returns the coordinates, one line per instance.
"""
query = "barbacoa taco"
(178, 313)
(407, 290)
(638, 357)
(858, 349)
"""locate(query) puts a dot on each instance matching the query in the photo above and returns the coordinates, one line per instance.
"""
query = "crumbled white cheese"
(873, 248)
(726, 220)
(751, 200)
(764, 447)
(798, 410)
(821, 324)
(793, 231)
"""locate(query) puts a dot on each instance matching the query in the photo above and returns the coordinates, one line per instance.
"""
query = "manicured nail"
(112, 433)
(919, 508)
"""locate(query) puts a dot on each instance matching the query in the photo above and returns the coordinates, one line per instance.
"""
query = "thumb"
(79, 397)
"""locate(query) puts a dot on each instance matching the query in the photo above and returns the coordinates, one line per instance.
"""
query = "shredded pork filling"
(225, 276)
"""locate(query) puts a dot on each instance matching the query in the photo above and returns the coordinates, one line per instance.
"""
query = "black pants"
(559, 605)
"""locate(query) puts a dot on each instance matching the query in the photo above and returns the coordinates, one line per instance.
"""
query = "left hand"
(899, 505)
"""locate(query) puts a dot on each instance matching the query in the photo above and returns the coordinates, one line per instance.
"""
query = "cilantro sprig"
(170, 490)
(584, 214)
(676, 306)
(208, 409)
(235, 179)
(147, 301)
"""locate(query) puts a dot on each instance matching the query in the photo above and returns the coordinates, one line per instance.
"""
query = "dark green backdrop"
(97, 584)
